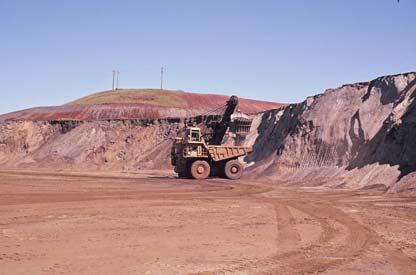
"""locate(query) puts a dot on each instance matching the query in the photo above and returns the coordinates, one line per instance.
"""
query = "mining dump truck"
(194, 157)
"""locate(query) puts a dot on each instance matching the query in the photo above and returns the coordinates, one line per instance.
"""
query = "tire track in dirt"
(396, 257)
(329, 250)
(332, 248)
(287, 236)
(211, 190)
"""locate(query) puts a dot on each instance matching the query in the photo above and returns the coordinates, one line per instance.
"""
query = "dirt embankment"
(99, 145)
(363, 135)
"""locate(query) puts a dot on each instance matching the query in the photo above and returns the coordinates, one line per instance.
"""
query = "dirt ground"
(152, 223)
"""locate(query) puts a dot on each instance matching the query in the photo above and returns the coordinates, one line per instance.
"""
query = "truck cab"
(194, 134)
(192, 145)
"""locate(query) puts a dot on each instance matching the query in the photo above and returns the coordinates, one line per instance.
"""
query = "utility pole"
(118, 76)
(114, 76)
(161, 77)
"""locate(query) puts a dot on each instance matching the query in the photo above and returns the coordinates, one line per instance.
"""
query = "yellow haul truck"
(196, 157)
(193, 157)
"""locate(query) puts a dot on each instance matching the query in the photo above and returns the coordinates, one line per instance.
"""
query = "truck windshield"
(195, 136)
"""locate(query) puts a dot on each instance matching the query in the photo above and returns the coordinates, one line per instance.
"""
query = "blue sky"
(52, 52)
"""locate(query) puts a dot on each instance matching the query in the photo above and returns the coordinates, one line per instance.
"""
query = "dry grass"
(154, 97)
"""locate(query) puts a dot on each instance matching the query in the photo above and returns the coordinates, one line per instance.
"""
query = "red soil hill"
(136, 104)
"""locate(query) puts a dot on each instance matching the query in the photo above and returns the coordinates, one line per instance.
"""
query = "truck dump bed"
(219, 153)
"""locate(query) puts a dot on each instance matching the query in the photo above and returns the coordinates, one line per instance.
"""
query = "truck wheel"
(233, 169)
(200, 169)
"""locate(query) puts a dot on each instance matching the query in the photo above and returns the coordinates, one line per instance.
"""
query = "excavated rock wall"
(98, 145)
(363, 134)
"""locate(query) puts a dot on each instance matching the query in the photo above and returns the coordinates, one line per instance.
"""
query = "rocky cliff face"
(99, 145)
(360, 135)
(362, 132)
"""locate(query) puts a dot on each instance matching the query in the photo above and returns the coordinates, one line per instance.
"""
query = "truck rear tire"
(233, 169)
(200, 169)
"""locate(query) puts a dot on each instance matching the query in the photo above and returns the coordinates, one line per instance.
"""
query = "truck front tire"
(200, 169)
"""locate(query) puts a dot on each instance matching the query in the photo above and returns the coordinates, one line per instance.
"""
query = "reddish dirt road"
(77, 223)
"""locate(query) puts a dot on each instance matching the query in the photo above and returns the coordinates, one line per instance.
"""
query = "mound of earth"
(363, 134)
(137, 104)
